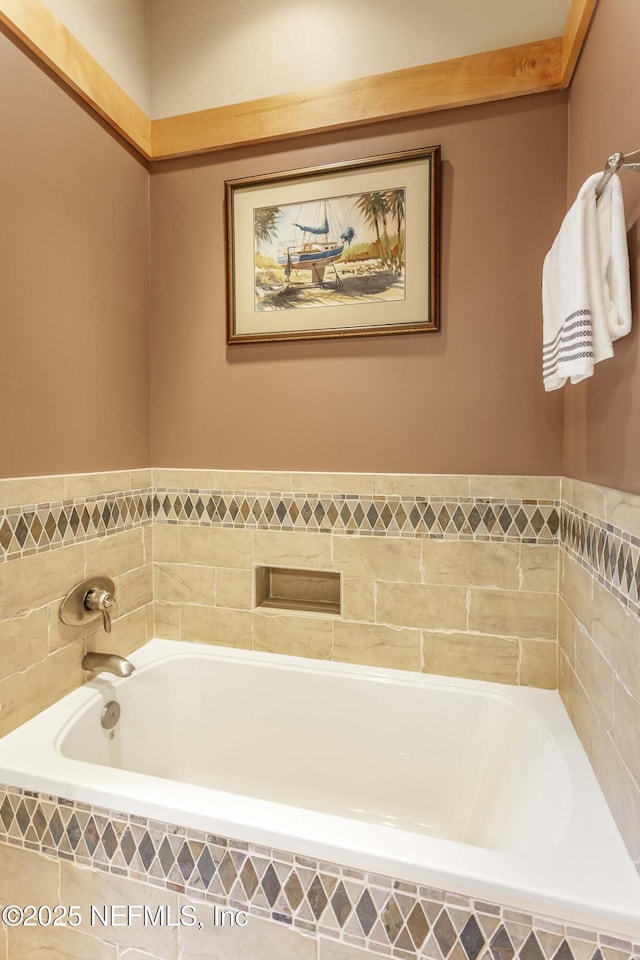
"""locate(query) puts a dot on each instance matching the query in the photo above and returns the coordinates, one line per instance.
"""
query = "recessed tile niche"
(312, 591)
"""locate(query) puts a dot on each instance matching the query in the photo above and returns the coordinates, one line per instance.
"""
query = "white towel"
(586, 302)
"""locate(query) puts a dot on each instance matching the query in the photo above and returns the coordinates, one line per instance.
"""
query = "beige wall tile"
(515, 488)
(134, 589)
(358, 600)
(626, 730)
(332, 950)
(166, 621)
(147, 542)
(306, 550)
(421, 605)
(87, 888)
(296, 635)
(216, 625)
(422, 485)
(330, 483)
(216, 546)
(27, 877)
(184, 583)
(618, 786)
(514, 613)
(469, 655)
(234, 588)
(61, 943)
(33, 581)
(128, 633)
(166, 542)
(138, 955)
(60, 634)
(622, 510)
(376, 645)
(566, 489)
(183, 479)
(81, 485)
(141, 479)
(539, 568)
(263, 939)
(471, 563)
(576, 589)
(596, 676)
(588, 497)
(539, 664)
(616, 633)
(23, 641)
(255, 481)
(31, 490)
(577, 704)
(567, 632)
(378, 558)
(22, 695)
(116, 554)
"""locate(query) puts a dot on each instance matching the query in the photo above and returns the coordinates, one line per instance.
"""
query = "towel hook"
(617, 161)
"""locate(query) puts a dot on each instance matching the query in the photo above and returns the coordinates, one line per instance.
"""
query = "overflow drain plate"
(110, 715)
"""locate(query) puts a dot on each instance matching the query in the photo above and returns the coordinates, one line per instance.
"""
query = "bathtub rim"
(520, 881)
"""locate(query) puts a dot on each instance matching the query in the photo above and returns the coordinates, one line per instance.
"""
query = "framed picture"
(343, 250)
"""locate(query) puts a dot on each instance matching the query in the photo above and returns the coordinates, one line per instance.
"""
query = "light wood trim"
(497, 75)
(35, 25)
(575, 30)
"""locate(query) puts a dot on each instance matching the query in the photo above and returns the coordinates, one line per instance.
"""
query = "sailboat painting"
(342, 250)
(336, 250)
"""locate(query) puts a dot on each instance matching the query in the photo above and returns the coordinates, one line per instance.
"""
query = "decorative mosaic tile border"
(25, 530)
(388, 917)
(610, 554)
(450, 518)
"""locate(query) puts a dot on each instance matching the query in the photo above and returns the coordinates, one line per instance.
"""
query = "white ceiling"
(177, 56)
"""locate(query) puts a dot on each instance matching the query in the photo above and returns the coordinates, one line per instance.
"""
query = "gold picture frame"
(341, 250)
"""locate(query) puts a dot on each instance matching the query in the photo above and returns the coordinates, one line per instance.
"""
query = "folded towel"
(586, 302)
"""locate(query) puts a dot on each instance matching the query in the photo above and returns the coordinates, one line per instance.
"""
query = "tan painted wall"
(603, 414)
(468, 399)
(74, 293)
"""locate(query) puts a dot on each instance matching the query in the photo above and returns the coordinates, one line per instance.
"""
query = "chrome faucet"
(110, 662)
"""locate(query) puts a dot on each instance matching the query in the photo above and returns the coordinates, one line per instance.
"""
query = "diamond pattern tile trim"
(386, 917)
(529, 521)
(610, 554)
(25, 530)
(47, 526)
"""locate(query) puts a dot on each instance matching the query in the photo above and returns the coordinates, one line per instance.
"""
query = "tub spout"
(109, 662)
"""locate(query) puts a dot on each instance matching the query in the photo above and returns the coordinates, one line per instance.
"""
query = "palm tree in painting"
(374, 208)
(265, 226)
(396, 204)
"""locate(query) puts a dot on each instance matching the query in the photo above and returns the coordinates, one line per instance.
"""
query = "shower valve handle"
(101, 600)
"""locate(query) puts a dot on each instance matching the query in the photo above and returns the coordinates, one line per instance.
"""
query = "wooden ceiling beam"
(575, 31)
(499, 74)
(34, 24)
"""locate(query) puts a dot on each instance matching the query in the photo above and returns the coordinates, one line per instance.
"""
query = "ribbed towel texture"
(586, 302)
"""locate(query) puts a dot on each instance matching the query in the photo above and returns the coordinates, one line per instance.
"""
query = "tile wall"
(54, 532)
(293, 907)
(453, 575)
(599, 640)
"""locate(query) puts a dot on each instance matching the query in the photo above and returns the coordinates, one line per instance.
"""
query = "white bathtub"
(475, 788)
